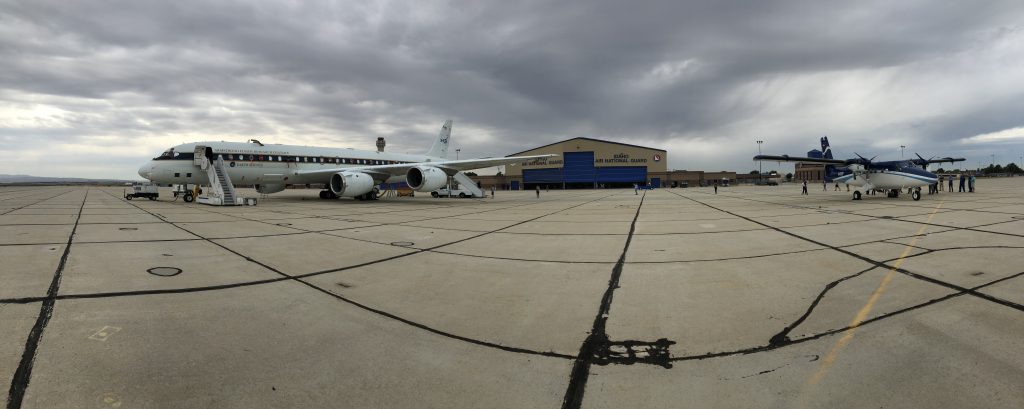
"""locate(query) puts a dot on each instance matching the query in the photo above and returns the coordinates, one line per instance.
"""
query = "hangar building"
(585, 163)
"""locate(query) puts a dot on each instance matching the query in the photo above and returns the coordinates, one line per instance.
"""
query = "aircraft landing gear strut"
(916, 195)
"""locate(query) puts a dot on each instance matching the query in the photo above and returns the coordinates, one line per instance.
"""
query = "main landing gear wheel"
(327, 194)
(189, 198)
(916, 195)
(856, 195)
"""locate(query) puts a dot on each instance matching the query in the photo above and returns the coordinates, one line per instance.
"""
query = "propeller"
(923, 162)
(864, 161)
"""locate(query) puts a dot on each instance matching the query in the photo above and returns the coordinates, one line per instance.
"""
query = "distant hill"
(26, 179)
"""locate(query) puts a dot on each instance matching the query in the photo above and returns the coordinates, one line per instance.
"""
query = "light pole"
(759, 162)
(457, 153)
(901, 150)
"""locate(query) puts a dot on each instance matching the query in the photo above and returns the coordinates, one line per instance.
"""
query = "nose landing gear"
(916, 195)
(856, 195)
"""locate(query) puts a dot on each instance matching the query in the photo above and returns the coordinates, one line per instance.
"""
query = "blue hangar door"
(542, 176)
(579, 171)
(622, 174)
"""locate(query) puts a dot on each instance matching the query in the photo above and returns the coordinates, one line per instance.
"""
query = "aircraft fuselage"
(886, 175)
(250, 163)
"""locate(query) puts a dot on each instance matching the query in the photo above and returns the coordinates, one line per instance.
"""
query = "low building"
(810, 172)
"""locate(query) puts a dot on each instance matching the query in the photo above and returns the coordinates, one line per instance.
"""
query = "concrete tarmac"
(756, 297)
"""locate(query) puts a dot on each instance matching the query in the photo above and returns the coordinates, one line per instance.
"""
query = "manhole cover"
(128, 228)
(164, 271)
(402, 243)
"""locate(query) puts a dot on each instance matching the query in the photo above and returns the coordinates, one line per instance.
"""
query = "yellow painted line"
(862, 315)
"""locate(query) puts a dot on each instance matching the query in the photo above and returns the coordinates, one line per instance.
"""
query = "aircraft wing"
(787, 158)
(449, 166)
(946, 159)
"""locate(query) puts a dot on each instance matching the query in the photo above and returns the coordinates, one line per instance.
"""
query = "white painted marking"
(104, 333)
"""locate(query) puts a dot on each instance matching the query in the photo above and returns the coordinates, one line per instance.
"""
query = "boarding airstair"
(222, 191)
(467, 184)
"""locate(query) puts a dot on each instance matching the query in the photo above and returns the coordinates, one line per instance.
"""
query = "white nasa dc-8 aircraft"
(345, 172)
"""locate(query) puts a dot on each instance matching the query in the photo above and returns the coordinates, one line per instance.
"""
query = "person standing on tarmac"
(951, 184)
(636, 189)
(716, 187)
(492, 192)
(962, 180)
(804, 190)
(538, 191)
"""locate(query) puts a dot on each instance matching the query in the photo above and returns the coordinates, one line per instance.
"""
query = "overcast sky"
(95, 88)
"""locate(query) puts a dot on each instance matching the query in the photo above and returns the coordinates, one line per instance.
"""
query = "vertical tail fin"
(440, 147)
(826, 151)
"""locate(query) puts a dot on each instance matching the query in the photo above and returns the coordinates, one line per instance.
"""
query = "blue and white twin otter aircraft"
(344, 172)
(890, 176)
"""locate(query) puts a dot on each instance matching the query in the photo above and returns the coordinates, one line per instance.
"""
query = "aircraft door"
(198, 155)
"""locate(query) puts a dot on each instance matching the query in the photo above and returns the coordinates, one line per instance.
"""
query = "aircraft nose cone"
(145, 171)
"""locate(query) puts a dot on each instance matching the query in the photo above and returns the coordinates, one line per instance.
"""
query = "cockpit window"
(168, 154)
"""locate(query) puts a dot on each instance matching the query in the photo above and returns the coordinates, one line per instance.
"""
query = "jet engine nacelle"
(351, 184)
(270, 188)
(426, 178)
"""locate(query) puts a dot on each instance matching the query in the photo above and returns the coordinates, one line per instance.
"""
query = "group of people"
(966, 184)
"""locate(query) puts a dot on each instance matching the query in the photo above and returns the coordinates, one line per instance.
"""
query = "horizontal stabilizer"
(787, 158)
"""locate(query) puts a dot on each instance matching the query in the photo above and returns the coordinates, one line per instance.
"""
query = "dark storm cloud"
(699, 79)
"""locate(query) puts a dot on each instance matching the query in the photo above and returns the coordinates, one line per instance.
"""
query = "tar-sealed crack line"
(22, 376)
(598, 336)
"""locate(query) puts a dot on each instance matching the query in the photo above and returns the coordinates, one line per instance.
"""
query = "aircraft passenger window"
(188, 175)
(177, 175)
